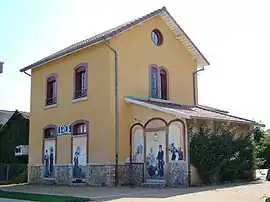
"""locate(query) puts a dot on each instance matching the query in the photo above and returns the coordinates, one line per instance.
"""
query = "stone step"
(154, 185)
(48, 181)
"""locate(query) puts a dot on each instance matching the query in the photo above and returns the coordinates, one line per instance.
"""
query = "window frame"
(159, 36)
(53, 100)
(159, 87)
(78, 69)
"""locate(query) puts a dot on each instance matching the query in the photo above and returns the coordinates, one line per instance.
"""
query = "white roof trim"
(186, 41)
(158, 108)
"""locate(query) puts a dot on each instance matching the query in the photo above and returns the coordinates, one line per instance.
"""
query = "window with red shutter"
(80, 82)
(163, 85)
(51, 91)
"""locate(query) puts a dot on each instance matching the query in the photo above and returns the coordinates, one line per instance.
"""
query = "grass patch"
(39, 197)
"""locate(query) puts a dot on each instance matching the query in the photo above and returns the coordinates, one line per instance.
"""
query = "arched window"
(51, 90)
(163, 84)
(49, 132)
(154, 82)
(80, 129)
(158, 83)
(80, 81)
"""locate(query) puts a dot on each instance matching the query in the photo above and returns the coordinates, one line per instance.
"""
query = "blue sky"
(234, 36)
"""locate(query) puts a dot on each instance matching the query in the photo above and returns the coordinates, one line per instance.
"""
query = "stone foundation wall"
(35, 173)
(177, 174)
(132, 174)
(63, 174)
(94, 175)
(101, 175)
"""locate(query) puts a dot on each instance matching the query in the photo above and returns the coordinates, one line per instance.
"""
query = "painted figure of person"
(76, 165)
(51, 160)
(46, 164)
(174, 151)
(180, 154)
(139, 154)
(160, 159)
(152, 165)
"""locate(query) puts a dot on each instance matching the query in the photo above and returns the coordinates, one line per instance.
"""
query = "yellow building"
(126, 95)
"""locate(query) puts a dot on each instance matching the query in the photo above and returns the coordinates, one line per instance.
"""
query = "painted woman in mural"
(160, 159)
(138, 156)
(174, 151)
(46, 164)
(76, 165)
(51, 160)
(151, 164)
(180, 154)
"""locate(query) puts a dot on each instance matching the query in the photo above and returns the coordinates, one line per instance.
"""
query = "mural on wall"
(49, 158)
(174, 144)
(79, 156)
(156, 155)
(138, 146)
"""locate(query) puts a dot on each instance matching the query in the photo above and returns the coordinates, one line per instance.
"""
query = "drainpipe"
(116, 109)
(194, 74)
(27, 74)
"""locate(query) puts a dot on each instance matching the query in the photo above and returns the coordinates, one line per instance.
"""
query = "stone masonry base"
(104, 175)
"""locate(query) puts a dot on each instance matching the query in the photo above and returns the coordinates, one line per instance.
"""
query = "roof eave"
(76, 50)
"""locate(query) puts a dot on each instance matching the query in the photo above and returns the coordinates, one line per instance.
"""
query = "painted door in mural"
(79, 156)
(49, 158)
(175, 143)
(155, 155)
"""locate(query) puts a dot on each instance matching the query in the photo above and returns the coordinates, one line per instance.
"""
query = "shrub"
(222, 156)
(265, 153)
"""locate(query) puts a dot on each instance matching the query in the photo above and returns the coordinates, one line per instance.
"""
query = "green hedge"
(219, 156)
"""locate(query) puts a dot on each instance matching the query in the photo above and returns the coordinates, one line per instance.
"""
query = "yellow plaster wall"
(97, 109)
(136, 52)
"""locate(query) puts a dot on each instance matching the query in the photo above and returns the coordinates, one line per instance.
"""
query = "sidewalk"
(248, 192)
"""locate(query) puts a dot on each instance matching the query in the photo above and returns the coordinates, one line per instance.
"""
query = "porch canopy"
(188, 111)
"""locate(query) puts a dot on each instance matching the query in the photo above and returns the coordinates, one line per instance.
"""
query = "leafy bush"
(265, 153)
(220, 155)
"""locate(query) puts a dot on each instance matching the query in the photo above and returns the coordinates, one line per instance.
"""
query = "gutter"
(116, 110)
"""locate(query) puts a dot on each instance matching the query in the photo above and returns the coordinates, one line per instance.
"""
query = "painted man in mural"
(46, 164)
(160, 159)
(76, 165)
(51, 160)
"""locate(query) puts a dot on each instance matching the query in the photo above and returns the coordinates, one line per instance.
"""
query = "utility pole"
(1, 67)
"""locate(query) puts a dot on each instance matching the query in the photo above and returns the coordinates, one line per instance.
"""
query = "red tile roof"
(198, 112)
(178, 31)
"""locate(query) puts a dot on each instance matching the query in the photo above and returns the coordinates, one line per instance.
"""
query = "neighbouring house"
(14, 133)
(125, 96)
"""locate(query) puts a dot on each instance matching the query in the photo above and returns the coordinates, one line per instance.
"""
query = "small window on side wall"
(51, 91)
(80, 83)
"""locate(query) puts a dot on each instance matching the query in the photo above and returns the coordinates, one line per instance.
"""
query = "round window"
(157, 37)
